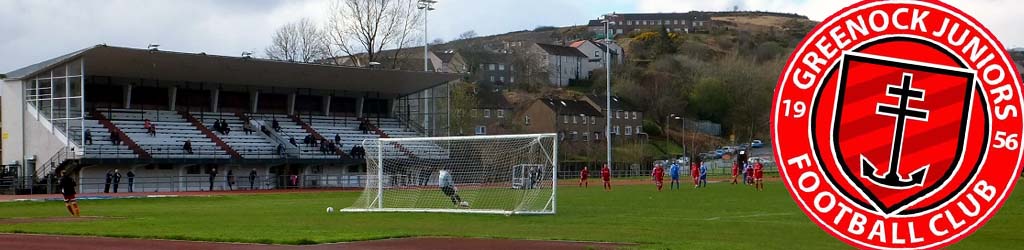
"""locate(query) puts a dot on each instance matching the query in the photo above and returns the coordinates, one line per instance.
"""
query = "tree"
(463, 100)
(300, 41)
(467, 35)
(437, 41)
(371, 26)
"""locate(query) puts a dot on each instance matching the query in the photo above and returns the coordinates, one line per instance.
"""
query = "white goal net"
(504, 174)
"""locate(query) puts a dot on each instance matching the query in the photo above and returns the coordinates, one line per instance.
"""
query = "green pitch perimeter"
(722, 216)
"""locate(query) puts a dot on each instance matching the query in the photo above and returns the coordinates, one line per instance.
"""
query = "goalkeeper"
(447, 184)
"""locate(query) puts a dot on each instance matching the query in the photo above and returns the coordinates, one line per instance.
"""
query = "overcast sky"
(36, 30)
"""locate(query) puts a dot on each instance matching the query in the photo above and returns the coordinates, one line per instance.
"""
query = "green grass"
(720, 217)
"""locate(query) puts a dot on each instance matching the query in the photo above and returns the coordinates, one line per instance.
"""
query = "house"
(595, 52)
(573, 120)
(563, 63)
(678, 22)
(489, 68)
(627, 120)
(450, 61)
(493, 114)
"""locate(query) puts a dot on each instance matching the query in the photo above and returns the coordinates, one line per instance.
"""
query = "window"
(501, 79)
(526, 119)
(615, 130)
(512, 79)
(492, 78)
(593, 120)
(618, 114)
(634, 115)
(597, 53)
(639, 129)
(481, 130)
(501, 113)
(565, 119)
(492, 66)
(574, 119)
(597, 136)
(574, 134)
(586, 136)
(487, 113)
(482, 66)
(629, 130)
(501, 67)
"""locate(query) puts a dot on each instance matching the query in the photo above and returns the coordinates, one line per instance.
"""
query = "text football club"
(897, 124)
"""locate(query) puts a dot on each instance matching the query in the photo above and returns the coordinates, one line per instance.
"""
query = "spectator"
(114, 139)
(362, 152)
(213, 176)
(131, 181)
(280, 149)
(150, 127)
(252, 179)
(117, 179)
(295, 181)
(307, 141)
(337, 138)
(188, 146)
(225, 129)
(362, 127)
(216, 126)
(292, 141)
(247, 127)
(276, 125)
(230, 178)
(88, 137)
(106, 182)
(323, 148)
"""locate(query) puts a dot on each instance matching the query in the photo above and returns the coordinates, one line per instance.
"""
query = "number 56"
(1008, 141)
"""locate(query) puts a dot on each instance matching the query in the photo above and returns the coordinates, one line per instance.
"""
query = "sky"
(35, 30)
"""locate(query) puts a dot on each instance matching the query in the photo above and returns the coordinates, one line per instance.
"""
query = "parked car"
(728, 149)
(756, 144)
(719, 153)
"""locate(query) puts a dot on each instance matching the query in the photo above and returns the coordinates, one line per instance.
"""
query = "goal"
(501, 174)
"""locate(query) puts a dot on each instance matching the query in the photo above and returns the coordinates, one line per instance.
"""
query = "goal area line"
(443, 210)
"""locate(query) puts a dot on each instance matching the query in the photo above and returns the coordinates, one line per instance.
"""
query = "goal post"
(497, 174)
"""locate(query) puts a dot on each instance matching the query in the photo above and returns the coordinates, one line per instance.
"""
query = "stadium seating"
(291, 129)
(101, 146)
(252, 146)
(394, 128)
(172, 132)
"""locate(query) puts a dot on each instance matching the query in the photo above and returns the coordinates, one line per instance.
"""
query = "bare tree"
(300, 41)
(467, 35)
(372, 26)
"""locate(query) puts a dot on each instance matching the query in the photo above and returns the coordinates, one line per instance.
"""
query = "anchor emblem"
(902, 112)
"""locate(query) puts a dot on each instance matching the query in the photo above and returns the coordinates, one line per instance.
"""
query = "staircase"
(124, 137)
(59, 160)
(209, 134)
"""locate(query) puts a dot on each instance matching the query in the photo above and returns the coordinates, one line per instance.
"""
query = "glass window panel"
(60, 108)
(59, 71)
(60, 87)
(75, 84)
(75, 68)
(75, 108)
(44, 108)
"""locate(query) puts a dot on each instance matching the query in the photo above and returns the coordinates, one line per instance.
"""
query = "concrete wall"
(177, 179)
(12, 118)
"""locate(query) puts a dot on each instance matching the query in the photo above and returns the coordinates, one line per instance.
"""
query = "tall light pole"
(608, 85)
(426, 6)
(668, 121)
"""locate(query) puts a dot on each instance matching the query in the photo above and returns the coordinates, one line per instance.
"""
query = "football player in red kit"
(658, 175)
(759, 176)
(735, 171)
(584, 175)
(606, 176)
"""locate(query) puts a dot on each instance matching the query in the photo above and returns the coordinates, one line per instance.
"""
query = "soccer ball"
(330, 209)
(464, 204)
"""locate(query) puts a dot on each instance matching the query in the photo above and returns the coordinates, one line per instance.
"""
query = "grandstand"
(107, 94)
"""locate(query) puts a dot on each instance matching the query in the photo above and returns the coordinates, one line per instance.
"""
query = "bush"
(652, 128)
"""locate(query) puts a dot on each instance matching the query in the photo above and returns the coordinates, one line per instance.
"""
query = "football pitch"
(721, 216)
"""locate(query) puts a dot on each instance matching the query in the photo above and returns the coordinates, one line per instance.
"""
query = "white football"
(464, 204)
(330, 209)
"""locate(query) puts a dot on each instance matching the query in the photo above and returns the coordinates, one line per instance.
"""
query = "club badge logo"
(897, 124)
